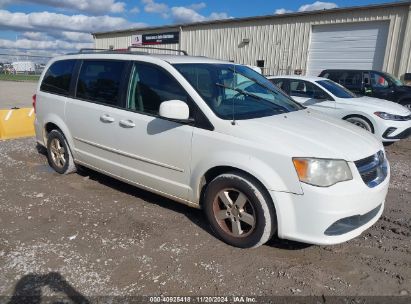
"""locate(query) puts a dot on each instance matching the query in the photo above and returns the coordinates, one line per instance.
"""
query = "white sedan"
(389, 121)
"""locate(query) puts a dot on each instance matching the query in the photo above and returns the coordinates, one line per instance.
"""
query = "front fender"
(286, 181)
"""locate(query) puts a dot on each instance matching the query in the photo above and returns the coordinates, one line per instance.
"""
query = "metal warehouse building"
(367, 37)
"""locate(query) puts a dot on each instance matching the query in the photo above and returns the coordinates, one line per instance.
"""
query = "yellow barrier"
(15, 123)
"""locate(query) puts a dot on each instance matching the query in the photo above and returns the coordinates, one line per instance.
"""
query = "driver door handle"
(106, 118)
(127, 123)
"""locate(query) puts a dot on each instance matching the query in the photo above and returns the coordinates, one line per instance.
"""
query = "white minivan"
(254, 160)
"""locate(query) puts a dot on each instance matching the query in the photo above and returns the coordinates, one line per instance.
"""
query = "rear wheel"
(361, 122)
(239, 211)
(59, 154)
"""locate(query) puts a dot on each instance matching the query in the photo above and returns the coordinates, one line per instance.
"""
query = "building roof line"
(271, 16)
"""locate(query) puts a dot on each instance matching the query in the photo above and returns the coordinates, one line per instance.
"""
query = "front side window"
(336, 89)
(99, 81)
(301, 88)
(235, 91)
(379, 81)
(58, 77)
(149, 86)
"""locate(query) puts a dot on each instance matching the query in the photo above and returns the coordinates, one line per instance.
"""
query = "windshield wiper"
(240, 91)
(245, 93)
(255, 80)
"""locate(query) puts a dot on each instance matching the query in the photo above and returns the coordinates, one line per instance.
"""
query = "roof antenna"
(234, 86)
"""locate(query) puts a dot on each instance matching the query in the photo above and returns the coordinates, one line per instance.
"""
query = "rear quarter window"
(58, 77)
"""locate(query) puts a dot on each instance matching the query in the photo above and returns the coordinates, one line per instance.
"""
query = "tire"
(239, 210)
(58, 153)
(361, 122)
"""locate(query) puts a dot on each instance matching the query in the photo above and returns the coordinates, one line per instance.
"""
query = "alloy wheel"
(234, 213)
(58, 153)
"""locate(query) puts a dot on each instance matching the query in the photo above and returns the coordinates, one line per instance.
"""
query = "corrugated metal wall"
(282, 42)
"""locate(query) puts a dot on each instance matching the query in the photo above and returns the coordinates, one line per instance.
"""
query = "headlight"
(322, 172)
(388, 116)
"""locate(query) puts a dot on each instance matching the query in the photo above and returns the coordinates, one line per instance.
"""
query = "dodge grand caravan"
(254, 160)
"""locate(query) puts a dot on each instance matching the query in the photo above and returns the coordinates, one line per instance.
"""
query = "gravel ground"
(103, 237)
(16, 94)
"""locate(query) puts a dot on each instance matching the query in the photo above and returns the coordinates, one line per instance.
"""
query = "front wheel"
(239, 211)
(361, 122)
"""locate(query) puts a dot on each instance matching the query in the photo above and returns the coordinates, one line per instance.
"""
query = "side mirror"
(174, 109)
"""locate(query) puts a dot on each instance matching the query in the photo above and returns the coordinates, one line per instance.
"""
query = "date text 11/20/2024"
(202, 299)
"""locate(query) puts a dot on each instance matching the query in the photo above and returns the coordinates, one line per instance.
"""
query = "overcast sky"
(61, 26)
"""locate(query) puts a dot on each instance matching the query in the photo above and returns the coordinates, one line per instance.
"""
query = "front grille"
(364, 161)
(369, 176)
(373, 169)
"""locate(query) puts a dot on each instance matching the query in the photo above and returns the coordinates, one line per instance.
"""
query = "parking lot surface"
(104, 237)
(16, 93)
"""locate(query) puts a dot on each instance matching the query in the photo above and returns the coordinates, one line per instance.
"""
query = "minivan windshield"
(336, 89)
(236, 91)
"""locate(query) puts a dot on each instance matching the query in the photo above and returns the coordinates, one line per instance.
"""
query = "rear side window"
(331, 75)
(58, 77)
(350, 79)
(99, 81)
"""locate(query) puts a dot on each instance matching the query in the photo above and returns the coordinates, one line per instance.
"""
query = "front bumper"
(402, 135)
(390, 131)
(331, 215)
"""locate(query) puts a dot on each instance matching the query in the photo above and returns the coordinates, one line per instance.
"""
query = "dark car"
(372, 83)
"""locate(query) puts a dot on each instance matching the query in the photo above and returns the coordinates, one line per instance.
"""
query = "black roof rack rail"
(126, 51)
(156, 48)
(107, 51)
(86, 50)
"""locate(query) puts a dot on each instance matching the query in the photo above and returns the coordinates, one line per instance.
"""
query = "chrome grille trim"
(373, 169)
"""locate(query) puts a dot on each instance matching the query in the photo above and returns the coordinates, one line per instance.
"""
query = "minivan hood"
(377, 104)
(309, 133)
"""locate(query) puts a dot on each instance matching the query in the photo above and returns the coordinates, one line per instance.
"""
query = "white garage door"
(347, 46)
